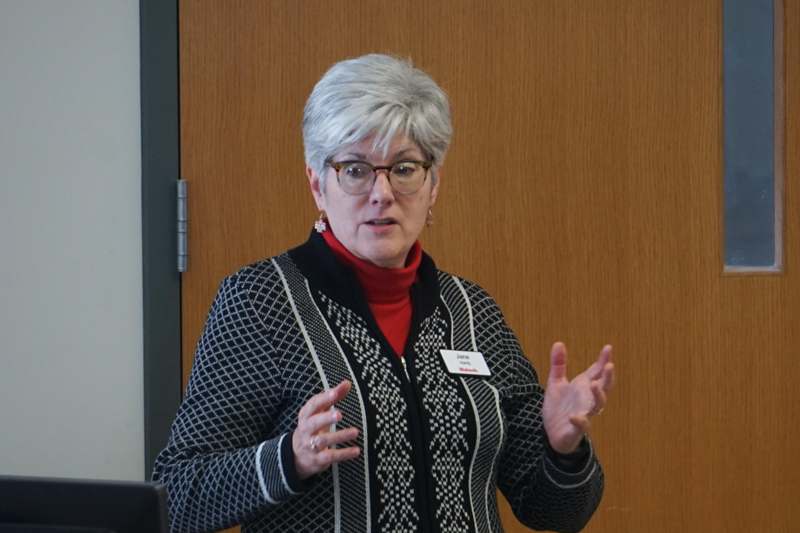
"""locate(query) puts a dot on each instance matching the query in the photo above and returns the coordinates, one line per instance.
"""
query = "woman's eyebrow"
(403, 152)
(354, 155)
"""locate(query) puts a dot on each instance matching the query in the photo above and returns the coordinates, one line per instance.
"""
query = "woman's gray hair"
(376, 95)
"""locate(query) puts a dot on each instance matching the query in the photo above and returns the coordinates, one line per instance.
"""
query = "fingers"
(315, 434)
(599, 399)
(598, 367)
(325, 399)
(329, 439)
(320, 421)
(558, 362)
(328, 456)
(582, 422)
(317, 413)
(600, 387)
(607, 379)
(319, 452)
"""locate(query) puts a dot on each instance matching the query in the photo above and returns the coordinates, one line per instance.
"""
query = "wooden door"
(583, 190)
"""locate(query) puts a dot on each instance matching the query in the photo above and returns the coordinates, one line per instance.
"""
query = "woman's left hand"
(568, 405)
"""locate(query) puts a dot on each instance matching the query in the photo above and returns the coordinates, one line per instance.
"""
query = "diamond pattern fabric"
(435, 446)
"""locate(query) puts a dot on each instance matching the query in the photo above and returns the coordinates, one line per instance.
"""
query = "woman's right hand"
(312, 441)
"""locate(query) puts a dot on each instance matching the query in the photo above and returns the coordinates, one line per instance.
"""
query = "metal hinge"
(183, 244)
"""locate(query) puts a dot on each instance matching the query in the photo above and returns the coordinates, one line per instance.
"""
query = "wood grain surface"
(583, 190)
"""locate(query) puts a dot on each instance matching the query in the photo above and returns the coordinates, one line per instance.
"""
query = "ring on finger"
(314, 443)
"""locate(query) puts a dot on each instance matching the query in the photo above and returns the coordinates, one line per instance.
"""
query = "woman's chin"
(386, 257)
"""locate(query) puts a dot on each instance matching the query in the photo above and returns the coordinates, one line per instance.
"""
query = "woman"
(347, 384)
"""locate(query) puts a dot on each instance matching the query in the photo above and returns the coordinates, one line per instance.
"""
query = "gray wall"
(70, 239)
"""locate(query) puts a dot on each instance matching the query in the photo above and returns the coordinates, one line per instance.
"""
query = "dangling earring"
(320, 224)
(429, 218)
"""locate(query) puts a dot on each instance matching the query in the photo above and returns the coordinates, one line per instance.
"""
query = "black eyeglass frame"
(339, 165)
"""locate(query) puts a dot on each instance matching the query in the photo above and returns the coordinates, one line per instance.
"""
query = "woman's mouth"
(381, 221)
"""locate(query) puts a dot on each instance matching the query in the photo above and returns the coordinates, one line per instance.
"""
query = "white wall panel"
(70, 239)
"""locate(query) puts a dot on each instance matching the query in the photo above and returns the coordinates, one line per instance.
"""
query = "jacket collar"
(325, 272)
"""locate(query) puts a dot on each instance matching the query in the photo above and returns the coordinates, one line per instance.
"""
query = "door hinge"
(183, 244)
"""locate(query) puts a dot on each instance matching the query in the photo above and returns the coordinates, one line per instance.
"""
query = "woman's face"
(382, 225)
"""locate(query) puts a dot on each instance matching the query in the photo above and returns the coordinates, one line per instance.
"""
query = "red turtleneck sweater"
(387, 289)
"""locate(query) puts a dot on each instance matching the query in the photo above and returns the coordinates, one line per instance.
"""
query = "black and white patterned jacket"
(435, 445)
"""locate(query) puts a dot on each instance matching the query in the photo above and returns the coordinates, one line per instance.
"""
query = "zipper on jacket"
(405, 367)
(419, 448)
(415, 418)
(405, 371)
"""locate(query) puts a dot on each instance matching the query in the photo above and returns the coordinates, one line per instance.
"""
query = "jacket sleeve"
(223, 463)
(545, 490)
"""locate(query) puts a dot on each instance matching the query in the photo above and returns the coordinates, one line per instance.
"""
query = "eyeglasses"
(358, 177)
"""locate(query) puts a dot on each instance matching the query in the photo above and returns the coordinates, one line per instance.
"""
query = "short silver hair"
(378, 95)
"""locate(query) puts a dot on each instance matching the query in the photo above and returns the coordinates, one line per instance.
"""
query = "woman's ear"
(435, 188)
(317, 191)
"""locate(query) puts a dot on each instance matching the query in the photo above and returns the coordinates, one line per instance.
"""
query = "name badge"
(465, 363)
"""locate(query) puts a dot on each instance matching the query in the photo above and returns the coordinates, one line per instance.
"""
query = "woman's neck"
(380, 284)
(387, 290)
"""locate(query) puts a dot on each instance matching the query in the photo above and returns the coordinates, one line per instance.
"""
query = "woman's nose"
(382, 188)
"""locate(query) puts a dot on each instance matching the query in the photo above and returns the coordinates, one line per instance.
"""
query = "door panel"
(583, 190)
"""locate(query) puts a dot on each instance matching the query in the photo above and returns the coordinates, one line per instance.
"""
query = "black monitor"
(50, 505)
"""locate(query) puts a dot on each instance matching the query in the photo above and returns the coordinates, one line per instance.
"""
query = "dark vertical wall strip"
(749, 118)
(160, 171)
